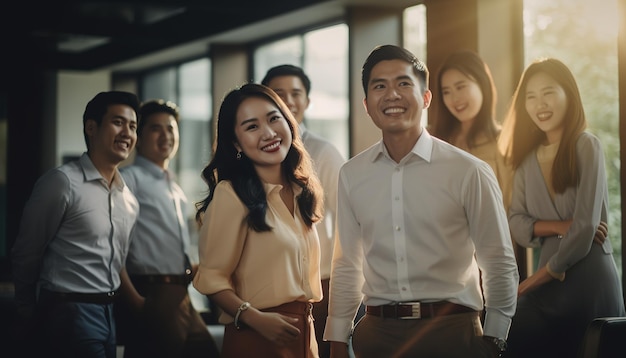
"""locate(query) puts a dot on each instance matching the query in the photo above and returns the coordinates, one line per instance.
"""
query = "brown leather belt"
(417, 310)
(168, 279)
(98, 298)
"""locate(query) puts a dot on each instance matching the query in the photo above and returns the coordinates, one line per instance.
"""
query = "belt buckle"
(416, 311)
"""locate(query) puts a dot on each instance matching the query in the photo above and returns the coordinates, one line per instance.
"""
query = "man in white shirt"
(293, 86)
(419, 222)
(156, 317)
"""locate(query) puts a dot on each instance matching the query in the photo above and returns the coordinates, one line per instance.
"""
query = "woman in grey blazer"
(559, 204)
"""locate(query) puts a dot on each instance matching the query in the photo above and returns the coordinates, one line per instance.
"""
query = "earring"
(238, 155)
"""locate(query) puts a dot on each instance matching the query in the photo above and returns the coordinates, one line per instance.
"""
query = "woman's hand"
(602, 232)
(534, 281)
(276, 327)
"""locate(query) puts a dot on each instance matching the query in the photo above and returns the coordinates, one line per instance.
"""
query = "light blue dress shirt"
(161, 238)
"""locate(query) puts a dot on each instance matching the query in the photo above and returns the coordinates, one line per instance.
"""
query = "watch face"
(498, 342)
(501, 343)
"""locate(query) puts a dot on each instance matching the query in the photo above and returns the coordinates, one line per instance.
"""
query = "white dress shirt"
(420, 230)
(327, 161)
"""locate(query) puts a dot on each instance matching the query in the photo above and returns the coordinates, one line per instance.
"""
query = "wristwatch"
(498, 344)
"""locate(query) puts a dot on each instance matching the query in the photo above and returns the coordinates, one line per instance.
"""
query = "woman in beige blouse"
(259, 250)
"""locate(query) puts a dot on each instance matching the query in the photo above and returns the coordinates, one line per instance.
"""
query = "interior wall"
(500, 44)
(460, 32)
(74, 90)
(229, 70)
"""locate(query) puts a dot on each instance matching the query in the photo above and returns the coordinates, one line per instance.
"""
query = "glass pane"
(195, 92)
(326, 64)
(414, 35)
(557, 28)
(159, 84)
(284, 51)
(414, 27)
(195, 127)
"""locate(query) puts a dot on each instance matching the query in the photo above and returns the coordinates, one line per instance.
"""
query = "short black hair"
(392, 52)
(151, 107)
(98, 106)
(287, 70)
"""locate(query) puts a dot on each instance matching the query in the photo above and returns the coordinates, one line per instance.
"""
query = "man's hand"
(535, 280)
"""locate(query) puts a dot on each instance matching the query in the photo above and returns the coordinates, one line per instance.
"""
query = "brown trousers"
(457, 335)
(247, 342)
(168, 326)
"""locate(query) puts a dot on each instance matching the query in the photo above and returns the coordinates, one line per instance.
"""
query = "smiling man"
(415, 258)
(74, 237)
(156, 317)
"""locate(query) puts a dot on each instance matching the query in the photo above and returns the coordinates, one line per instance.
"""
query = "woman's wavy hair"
(297, 166)
(521, 136)
(446, 124)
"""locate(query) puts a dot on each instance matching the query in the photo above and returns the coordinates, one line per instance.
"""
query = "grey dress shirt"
(74, 233)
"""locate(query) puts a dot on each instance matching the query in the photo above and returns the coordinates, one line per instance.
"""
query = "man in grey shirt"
(73, 239)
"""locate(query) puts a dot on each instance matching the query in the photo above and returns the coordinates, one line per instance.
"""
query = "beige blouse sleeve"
(221, 240)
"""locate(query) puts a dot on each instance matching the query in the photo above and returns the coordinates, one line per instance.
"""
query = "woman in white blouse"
(258, 247)
(559, 204)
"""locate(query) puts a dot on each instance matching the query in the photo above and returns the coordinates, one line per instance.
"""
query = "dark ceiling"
(87, 35)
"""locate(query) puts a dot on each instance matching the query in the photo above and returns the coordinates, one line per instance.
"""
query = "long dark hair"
(446, 124)
(297, 166)
(521, 136)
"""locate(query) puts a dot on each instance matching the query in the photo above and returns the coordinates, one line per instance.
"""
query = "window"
(414, 34)
(583, 34)
(323, 54)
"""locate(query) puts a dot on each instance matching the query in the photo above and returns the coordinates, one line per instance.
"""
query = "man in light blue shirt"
(73, 240)
(420, 222)
(156, 317)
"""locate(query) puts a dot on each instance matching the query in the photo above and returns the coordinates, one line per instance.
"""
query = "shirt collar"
(423, 148)
(152, 168)
(302, 129)
(91, 172)
(276, 187)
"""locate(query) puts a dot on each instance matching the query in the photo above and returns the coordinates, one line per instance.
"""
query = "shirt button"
(397, 228)
(403, 288)
(397, 198)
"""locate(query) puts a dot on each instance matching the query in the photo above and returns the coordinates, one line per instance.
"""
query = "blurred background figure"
(156, 317)
(559, 204)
